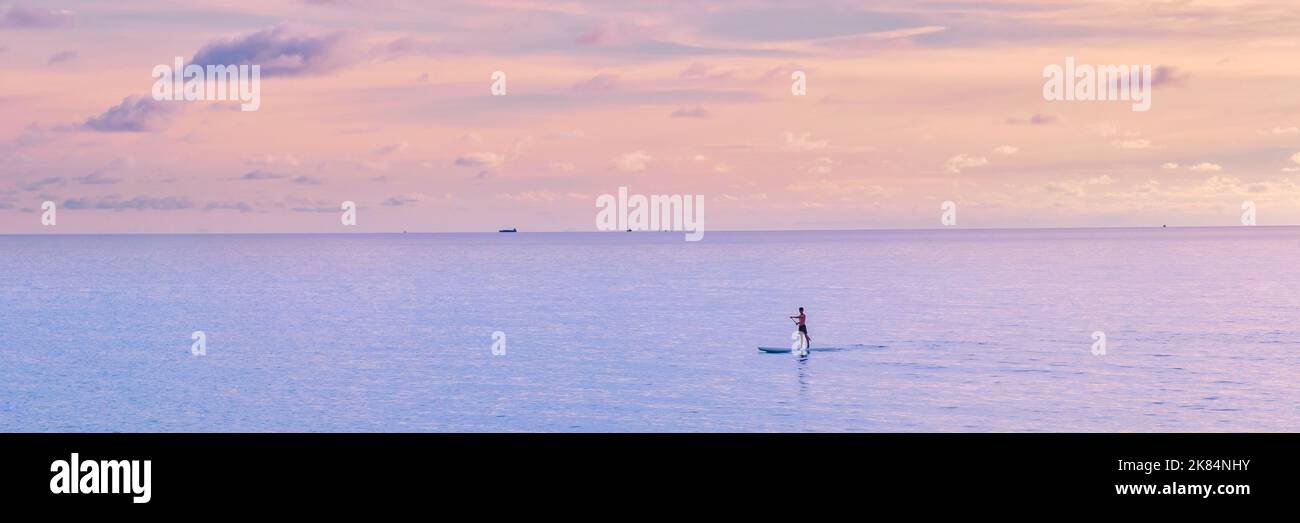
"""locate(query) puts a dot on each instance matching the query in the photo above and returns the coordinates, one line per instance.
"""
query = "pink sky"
(387, 103)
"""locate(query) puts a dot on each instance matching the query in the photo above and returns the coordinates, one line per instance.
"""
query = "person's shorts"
(803, 329)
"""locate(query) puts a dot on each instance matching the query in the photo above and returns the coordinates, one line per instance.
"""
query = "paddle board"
(787, 350)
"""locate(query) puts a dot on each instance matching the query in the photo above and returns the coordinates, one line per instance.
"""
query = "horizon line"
(497, 232)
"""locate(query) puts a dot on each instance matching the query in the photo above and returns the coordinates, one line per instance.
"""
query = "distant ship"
(509, 230)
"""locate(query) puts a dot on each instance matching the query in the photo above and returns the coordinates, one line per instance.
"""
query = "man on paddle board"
(802, 320)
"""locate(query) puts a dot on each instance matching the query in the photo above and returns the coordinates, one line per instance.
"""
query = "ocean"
(939, 331)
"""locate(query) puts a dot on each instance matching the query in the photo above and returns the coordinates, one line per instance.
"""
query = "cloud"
(1169, 165)
(695, 70)
(96, 178)
(408, 198)
(907, 32)
(283, 51)
(259, 174)
(1006, 150)
(803, 142)
(135, 114)
(49, 181)
(1296, 159)
(599, 83)
(61, 57)
(1132, 143)
(479, 159)
(538, 196)
(1035, 119)
(855, 187)
(1167, 75)
(879, 38)
(822, 165)
(22, 17)
(139, 203)
(1076, 188)
(228, 206)
(635, 161)
(1206, 167)
(272, 159)
(691, 112)
(1286, 130)
(392, 148)
(609, 33)
(955, 164)
(307, 180)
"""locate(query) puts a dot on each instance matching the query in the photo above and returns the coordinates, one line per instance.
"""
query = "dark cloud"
(96, 178)
(139, 203)
(480, 159)
(282, 51)
(259, 174)
(43, 183)
(391, 148)
(22, 17)
(228, 206)
(61, 56)
(307, 180)
(1167, 75)
(134, 115)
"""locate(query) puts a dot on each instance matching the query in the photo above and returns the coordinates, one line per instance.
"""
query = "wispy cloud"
(479, 159)
(283, 51)
(635, 161)
(135, 114)
(691, 112)
(61, 57)
(24, 17)
(138, 203)
(962, 161)
(258, 174)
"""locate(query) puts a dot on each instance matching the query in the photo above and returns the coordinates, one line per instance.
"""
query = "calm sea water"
(954, 330)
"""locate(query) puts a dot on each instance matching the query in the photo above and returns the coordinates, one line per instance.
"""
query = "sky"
(389, 104)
